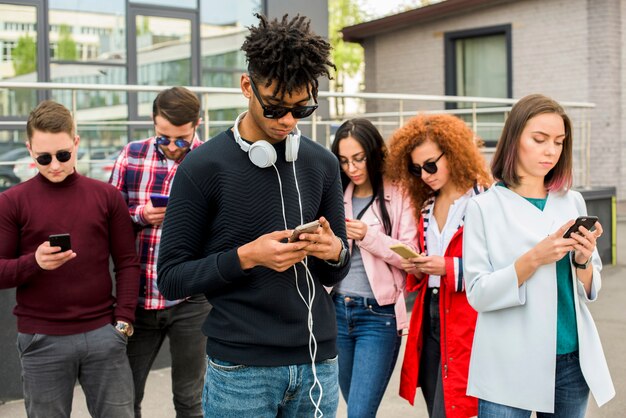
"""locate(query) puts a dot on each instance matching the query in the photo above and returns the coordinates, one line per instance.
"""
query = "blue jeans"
(571, 394)
(182, 324)
(237, 391)
(368, 345)
(51, 365)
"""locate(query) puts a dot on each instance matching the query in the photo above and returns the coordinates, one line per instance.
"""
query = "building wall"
(567, 49)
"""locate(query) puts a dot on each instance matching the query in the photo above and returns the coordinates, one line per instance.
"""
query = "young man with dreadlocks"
(233, 207)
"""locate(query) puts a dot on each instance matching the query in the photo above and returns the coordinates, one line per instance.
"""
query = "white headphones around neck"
(262, 153)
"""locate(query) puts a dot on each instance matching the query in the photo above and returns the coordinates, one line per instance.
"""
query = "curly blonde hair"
(465, 162)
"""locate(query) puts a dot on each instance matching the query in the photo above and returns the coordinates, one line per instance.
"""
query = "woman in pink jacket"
(369, 302)
(436, 158)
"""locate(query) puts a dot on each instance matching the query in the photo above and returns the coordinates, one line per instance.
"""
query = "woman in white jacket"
(536, 346)
(369, 302)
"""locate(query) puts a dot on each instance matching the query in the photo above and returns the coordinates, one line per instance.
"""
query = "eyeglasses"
(180, 143)
(357, 163)
(277, 112)
(61, 156)
(430, 167)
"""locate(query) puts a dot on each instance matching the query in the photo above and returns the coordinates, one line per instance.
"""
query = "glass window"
(18, 60)
(88, 31)
(163, 55)
(478, 65)
(223, 29)
(186, 4)
(481, 66)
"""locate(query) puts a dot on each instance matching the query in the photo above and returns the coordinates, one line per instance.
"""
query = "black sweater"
(220, 201)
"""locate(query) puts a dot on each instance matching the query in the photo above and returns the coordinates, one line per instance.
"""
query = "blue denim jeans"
(237, 391)
(571, 394)
(368, 345)
(51, 365)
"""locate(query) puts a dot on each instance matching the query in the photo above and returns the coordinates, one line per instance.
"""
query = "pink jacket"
(383, 266)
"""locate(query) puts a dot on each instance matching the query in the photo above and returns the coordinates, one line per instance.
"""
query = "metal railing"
(391, 111)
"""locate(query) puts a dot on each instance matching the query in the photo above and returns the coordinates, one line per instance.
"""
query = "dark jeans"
(181, 323)
(51, 364)
(570, 397)
(368, 344)
(430, 378)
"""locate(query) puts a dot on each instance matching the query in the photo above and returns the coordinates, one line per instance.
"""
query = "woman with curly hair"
(436, 159)
(369, 302)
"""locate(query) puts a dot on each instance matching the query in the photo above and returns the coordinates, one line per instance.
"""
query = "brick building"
(571, 50)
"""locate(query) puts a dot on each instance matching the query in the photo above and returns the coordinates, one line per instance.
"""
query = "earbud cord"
(308, 302)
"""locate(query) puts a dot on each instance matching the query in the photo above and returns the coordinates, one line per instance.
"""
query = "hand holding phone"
(307, 228)
(60, 240)
(404, 251)
(587, 221)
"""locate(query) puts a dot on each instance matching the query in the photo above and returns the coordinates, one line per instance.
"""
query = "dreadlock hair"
(287, 52)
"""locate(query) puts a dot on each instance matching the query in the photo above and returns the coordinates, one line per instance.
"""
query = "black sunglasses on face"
(430, 167)
(61, 156)
(277, 112)
(180, 143)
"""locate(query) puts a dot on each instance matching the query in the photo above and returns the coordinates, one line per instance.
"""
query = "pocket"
(225, 366)
(26, 342)
(387, 311)
(330, 361)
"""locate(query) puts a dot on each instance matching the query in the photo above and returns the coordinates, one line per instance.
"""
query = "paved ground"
(608, 312)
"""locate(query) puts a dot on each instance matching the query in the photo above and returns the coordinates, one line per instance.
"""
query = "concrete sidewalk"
(608, 313)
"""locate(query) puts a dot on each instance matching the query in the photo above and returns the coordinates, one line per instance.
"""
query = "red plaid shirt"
(140, 171)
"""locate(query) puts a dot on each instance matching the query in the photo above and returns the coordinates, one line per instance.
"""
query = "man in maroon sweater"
(70, 326)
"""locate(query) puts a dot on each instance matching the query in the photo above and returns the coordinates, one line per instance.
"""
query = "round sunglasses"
(430, 167)
(61, 156)
(180, 143)
(277, 112)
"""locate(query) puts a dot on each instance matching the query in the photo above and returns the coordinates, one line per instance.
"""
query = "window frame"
(450, 69)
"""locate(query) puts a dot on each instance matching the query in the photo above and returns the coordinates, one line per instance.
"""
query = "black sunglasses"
(180, 143)
(277, 112)
(430, 167)
(61, 156)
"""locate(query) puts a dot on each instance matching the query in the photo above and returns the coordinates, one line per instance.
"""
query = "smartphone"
(60, 240)
(159, 200)
(404, 251)
(304, 229)
(586, 221)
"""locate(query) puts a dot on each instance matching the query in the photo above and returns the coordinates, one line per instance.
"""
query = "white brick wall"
(567, 49)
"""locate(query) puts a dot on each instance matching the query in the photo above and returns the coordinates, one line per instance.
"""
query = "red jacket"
(458, 320)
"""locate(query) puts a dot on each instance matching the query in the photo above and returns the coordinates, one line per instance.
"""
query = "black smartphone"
(586, 221)
(159, 200)
(60, 240)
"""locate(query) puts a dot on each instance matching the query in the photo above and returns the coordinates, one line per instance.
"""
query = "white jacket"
(514, 352)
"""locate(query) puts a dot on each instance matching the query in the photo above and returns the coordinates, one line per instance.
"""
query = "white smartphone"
(304, 229)
(404, 251)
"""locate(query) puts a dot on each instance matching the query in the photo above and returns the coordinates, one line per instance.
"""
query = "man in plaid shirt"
(144, 168)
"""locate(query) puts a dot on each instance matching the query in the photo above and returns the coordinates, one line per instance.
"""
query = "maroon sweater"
(78, 296)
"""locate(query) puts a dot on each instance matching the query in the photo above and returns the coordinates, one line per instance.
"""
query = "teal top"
(566, 331)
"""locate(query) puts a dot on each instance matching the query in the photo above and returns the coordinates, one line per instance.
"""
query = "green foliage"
(67, 46)
(346, 56)
(24, 55)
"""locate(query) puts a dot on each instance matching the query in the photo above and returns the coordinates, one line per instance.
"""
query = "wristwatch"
(580, 266)
(342, 255)
(124, 327)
